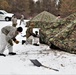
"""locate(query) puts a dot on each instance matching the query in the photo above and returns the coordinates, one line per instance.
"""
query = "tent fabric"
(66, 39)
(61, 33)
(44, 17)
(41, 21)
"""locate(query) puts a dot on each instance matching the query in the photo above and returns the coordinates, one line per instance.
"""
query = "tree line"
(29, 8)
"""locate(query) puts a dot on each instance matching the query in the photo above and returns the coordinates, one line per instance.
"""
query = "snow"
(21, 64)
(35, 0)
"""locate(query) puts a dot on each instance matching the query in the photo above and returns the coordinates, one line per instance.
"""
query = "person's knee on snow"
(36, 39)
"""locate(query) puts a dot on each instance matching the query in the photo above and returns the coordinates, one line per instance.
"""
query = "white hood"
(9, 14)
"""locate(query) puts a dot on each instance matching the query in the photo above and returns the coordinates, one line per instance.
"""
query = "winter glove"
(34, 35)
(23, 41)
(10, 42)
(16, 41)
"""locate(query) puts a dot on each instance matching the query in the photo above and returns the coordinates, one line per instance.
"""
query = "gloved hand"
(23, 41)
(34, 35)
(10, 42)
(16, 41)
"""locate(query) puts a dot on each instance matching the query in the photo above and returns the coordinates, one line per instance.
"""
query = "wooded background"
(29, 8)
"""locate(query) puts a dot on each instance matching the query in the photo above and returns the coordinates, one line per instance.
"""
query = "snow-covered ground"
(20, 64)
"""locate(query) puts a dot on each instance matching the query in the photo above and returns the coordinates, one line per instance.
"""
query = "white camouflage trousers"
(4, 43)
(32, 40)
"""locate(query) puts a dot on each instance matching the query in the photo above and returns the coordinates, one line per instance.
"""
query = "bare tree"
(67, 7)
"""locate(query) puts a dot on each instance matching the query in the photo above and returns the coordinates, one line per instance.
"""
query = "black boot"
(2, 55)
(12, 53)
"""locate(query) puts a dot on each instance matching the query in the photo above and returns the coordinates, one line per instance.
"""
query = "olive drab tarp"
(66, 39)
(60, 33)
(41, 21)
(70, 18)
(44, 17)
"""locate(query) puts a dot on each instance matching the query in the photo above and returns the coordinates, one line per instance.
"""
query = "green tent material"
(70, 18)
(56, 27)
(59, 33)
(44, 17)
(66, 39)
(41, 21)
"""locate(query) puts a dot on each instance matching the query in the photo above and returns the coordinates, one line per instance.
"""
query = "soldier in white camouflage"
(7, 36)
